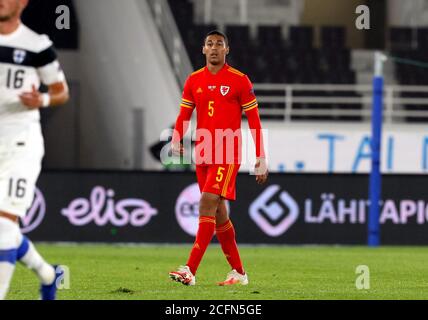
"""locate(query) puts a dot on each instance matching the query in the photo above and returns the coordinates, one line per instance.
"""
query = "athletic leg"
(9, 242)
(225, 232)
(207, 211)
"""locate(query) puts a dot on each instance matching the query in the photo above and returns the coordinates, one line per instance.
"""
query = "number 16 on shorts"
(17, 188)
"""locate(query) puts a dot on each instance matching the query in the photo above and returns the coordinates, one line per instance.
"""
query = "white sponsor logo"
(269, 211)
(265, 209)
(35, 214)
(101, 208)
(339, 211)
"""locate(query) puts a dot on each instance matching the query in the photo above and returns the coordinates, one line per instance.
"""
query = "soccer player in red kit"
(219, 93)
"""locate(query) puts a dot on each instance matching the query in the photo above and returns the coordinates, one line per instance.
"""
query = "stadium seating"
(333, 37)
(422, 38)
(239, 35)
(410, 44)
(301, 37)
(183, 13)
(268, 57)
(400, 38)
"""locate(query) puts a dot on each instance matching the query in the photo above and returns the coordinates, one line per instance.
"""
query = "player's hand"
(261, 170)
(177, 149)
(32, 99)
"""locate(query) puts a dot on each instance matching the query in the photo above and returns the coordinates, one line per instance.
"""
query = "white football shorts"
(21, 153)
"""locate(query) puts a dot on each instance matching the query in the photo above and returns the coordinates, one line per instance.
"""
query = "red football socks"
(226, 236)
(203, 239)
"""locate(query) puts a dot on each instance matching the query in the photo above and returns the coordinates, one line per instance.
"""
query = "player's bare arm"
(181, 126)
(261, 170)
(177, 148)
(34, 99)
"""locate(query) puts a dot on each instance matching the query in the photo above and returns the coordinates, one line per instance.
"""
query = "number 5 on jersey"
(210, 108)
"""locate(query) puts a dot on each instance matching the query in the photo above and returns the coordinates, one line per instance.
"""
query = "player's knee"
(23, 248)
(8, 256)
(207, 208)
(209, 203)
(221, 219)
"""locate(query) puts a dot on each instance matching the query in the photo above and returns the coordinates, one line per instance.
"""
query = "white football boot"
(234, 277)
(183, 275)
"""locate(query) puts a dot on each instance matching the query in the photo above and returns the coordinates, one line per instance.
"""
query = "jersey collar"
(224, 68)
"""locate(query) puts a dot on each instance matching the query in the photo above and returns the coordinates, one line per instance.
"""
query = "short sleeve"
(248, 98)
(48, 67)
(187, 100)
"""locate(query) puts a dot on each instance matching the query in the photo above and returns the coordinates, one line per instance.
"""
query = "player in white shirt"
(27, 59)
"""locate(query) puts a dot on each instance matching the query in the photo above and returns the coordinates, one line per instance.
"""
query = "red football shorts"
(218, 179)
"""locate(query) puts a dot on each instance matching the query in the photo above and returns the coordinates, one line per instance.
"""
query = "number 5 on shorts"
(219, 176)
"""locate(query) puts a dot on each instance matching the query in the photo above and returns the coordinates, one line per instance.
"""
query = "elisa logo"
(35, 214)
(269, 211)
(102, 208)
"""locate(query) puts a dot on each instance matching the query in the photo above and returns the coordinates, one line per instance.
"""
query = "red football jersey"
(219, 100)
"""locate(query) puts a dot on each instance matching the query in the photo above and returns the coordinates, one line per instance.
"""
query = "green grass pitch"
(102, 272)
